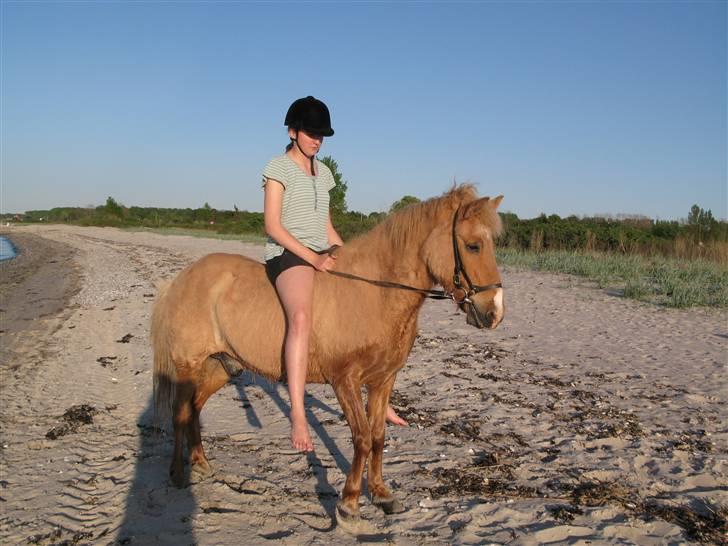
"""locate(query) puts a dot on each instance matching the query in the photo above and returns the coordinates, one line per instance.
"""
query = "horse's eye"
(473, 247)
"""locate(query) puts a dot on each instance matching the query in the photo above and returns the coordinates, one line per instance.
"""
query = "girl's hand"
(324, 262)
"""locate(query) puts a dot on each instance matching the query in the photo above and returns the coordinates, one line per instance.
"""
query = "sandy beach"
(585, 418)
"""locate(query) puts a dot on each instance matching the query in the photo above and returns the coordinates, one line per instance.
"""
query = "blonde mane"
(414, 221)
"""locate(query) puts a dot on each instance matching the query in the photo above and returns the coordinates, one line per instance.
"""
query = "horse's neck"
(380, 261)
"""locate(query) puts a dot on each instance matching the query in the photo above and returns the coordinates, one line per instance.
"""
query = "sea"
(7, 249)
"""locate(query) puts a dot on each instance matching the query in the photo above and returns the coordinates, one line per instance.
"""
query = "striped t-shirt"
(305, 208)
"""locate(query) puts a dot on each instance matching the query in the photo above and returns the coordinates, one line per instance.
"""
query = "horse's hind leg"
(212, 377)
(181, 421)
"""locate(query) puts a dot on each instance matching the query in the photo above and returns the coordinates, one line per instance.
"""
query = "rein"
(432, 294)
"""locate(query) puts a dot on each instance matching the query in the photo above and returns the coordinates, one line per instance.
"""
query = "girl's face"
(310, 144)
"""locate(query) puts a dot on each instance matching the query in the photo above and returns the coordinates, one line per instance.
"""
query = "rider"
(299, 228)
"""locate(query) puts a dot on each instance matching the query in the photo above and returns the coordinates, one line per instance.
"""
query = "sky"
(574, 107)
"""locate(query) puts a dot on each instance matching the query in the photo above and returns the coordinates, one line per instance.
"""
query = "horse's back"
(225, 303)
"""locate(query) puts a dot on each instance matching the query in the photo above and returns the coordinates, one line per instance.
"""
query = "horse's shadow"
(155, 509)
(327, 494)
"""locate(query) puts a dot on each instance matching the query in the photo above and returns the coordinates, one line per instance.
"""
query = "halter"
(460, 269)
(433, 294)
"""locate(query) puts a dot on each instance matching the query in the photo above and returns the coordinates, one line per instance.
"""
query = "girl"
(299, 228)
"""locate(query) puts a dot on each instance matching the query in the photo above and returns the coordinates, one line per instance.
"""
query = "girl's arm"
(272, 207)
(334, 238)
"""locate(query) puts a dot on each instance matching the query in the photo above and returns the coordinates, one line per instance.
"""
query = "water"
(7, 249)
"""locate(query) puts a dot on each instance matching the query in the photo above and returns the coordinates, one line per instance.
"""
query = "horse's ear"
(496, 201)
(479, 205)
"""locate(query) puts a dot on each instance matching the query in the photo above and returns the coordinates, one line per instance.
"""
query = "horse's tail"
(165, 372)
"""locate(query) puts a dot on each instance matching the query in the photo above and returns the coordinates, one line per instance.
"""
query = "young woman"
(299, 229)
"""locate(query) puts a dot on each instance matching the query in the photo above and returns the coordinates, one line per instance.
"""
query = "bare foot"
(300, 438)
(395, 419)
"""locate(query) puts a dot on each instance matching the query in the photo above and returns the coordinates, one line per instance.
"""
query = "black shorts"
(276, 266)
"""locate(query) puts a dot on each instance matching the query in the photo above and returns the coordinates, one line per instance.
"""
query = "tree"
(402, 203)
(113, 208)
(337, 195)
(701, 222)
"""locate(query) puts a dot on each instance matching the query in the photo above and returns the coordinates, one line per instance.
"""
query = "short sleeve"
(277, 171)
(329, 177)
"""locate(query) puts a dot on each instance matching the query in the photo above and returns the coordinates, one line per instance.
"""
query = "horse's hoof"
(389, 505)
(200, 472)
(348, 520)
(177, 479)
(343, 513)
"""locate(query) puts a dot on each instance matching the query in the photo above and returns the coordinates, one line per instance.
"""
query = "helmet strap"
(310, 158)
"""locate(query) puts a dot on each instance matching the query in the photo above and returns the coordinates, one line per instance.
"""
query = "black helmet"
(310, 115)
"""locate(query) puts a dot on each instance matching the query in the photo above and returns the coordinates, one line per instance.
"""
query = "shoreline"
(38, 282)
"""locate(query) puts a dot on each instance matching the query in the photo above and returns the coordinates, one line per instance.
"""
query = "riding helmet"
(311, 115)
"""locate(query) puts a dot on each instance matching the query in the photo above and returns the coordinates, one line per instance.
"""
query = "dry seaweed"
(565, 513)
(692, 440)
(707, 527)
(74, 417)
(603, 493)
(466, 429)
(461, 482)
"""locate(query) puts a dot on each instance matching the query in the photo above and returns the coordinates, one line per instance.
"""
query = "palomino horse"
(221, 314)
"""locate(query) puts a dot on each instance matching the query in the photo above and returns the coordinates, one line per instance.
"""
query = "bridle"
(460, 269)
(458, 276)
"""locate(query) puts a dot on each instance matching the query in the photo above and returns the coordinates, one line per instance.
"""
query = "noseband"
(471, 289)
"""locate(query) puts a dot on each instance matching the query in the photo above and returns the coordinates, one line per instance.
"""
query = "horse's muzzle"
(489, 317)
(481, 320)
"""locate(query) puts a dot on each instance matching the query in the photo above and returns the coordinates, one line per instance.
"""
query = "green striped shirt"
(305, 209)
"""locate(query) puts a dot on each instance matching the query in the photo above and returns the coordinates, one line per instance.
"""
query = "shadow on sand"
(156, 512)
(327, 494)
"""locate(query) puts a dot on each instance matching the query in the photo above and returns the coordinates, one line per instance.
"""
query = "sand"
(584, 418)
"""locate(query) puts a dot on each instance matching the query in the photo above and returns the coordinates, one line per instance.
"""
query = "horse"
(221, 315)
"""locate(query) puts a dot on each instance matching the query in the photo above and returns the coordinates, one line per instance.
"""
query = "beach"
(584, 418)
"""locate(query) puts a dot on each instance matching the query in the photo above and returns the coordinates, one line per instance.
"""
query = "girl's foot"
(395, 419)
(300, 438)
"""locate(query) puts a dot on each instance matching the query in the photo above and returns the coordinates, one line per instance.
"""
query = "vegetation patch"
(665, 281)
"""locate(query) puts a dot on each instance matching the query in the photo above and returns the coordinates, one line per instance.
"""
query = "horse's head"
(467, 238)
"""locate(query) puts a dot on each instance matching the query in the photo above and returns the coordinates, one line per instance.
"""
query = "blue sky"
(564, 107)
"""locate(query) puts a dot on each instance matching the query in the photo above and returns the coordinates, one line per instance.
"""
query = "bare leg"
(295, 289)
(395, 419)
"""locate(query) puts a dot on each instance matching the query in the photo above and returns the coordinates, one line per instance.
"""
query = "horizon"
(565, 108)
(619, 216)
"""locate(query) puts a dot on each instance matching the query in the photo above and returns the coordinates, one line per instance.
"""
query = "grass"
(663, 281)
(242, 237)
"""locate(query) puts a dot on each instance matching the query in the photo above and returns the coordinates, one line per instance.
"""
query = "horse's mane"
(413, 221)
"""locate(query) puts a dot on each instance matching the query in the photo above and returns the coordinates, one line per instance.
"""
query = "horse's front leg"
(378, 399)
(348, 392)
